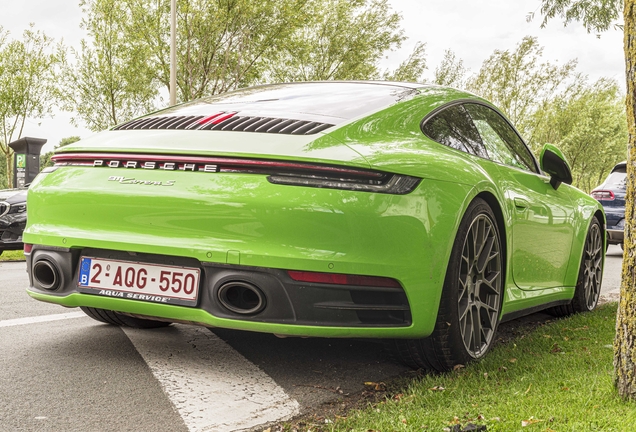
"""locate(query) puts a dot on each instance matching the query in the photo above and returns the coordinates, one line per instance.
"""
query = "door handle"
(521, 204)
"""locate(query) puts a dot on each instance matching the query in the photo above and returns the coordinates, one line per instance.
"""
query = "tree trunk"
(625, 342)
(9, 165)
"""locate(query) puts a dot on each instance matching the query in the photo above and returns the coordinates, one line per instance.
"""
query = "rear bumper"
(615, 236)
(11, 233)
(285, 301)
(11, 246)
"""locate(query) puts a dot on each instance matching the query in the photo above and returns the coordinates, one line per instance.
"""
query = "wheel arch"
(496, 208)
(588, 211)
(580, 301)
(601, 218)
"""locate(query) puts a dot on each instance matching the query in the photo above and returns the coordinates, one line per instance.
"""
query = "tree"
(343, 39)
(45, 159)
(518, 82)
(110, 80)
(28, 73)
(598, 16)
(451, 71)
(410, 69)
(587, 122)
(3, 172)
(221, 44)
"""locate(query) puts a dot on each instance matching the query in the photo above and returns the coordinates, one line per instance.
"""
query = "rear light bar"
(278, 172)
(343, 279)
(395, 184)
(603, 195)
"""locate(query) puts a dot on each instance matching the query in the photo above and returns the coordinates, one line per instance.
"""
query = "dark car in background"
(611, 195)
(12, 218)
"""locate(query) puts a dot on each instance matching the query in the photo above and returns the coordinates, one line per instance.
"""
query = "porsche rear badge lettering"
(130, 180)
(151, 165)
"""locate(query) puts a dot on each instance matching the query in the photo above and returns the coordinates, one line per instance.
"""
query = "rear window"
(331, 102)
(454, 128)
(617, 180)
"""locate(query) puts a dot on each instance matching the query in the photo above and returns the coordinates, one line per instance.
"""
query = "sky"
(473, 29)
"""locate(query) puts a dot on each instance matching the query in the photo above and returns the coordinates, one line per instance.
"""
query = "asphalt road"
(612, 273)
(62, 371)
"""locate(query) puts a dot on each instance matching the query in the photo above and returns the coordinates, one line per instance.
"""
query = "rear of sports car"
(240, 212)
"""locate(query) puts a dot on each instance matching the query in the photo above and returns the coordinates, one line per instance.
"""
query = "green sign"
(20, 160)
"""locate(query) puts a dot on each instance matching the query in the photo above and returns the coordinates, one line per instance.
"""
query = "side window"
(500, 139)
(453, 127)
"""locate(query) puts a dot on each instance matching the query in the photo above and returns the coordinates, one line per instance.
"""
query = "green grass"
(557, 378)
(12, 256)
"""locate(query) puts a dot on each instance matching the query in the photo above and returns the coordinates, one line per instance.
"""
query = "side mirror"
(554, 164)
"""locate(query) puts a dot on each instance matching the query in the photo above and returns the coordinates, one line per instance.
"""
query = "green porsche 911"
(408, 212)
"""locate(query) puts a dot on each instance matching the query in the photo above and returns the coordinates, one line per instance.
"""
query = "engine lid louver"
(228, 122)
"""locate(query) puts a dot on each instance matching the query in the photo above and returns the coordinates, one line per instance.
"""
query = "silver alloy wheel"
(592, 266)
(480, 286)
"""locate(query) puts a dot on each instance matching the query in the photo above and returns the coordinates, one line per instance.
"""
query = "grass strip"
(12, 256)
(558, 377)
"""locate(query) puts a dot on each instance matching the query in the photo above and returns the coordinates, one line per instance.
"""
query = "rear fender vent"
(228, 121)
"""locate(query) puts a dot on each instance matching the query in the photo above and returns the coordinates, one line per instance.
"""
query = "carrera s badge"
(129, 180)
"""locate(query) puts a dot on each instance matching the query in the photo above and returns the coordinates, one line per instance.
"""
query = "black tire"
(114, 318)
(473, 288)
(588, 285)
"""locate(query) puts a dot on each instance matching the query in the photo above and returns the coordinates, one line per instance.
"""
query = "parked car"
(410, 212)
(12, 218)
(611, 194)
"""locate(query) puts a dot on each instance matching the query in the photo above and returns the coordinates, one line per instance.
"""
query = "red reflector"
(343, 279)
(28, 248)
(607, 195)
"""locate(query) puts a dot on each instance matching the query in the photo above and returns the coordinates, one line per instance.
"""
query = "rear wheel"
(115, 318)
(469, 309)
(588, 286)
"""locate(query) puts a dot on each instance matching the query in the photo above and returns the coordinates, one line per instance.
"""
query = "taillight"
(343, 279)
(278, 172)
(606, 195)
(27, 248)
(391, 184)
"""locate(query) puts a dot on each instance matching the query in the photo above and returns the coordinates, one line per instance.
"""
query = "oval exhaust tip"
(46, 275)
(241, 297)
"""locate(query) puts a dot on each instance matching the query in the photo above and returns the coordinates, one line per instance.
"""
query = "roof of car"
(621, 166)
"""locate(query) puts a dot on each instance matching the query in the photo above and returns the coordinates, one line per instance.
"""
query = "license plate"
(139, 281)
